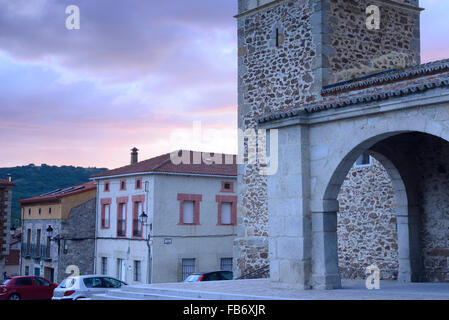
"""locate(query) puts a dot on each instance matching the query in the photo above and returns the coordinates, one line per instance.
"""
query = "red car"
(27, 288)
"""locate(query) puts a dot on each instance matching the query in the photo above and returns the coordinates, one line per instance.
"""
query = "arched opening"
(418, 170)
(366, 221)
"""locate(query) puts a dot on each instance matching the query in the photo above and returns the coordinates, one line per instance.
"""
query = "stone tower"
(288, 50)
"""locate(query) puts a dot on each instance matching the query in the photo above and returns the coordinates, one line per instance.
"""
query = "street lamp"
(49, 231)
(143, 218)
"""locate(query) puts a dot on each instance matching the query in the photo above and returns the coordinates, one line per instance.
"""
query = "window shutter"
(188, 212)
(226, 213)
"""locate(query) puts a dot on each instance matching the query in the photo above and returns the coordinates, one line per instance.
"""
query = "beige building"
(191, 210)
(58, 230)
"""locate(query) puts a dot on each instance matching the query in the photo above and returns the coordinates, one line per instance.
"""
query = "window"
(189, 208)
(188, 212)
(40, 211)
(226, 213)
(27, 270)
(38, 243)
(137, 211)
(122, 184)
(227, 186)
(93, 282)
(122, 204)
(47, 252)
(41, 282)
(105, 213)
(23, 282)
(137, 276)
(226, 264)
(188, 267)
(121, 220)
(363, 161)
(28, 242)
(29, 211)
(138, 184)
(104, 265)
(227, 210)
(49, 210)
(106, 187)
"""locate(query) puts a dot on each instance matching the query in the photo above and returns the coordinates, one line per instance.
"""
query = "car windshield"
(67, 283)
(193, 278)
(4, 283)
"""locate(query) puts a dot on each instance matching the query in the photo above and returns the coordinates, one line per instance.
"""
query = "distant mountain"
(32, 180)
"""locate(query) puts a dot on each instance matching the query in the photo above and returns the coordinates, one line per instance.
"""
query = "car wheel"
(14, 296)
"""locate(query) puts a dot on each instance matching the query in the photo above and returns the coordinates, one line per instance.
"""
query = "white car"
(82, 287)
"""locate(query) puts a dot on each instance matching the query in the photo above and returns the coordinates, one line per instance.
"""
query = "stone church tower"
(288, 52)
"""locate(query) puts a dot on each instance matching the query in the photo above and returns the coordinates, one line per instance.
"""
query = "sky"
(157, 75)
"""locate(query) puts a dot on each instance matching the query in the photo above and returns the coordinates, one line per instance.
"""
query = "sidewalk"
(261, 289)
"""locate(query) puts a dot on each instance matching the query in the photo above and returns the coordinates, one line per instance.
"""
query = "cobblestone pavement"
(352, 290)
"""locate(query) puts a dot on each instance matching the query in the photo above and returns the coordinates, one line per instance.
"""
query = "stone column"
(324, 247)
(289, 214)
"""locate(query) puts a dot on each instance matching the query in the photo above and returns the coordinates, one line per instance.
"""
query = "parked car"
(27, 288)
(209, 276)
(80, 287)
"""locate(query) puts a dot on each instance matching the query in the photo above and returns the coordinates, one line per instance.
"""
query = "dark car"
(27, 288)
(209, 276)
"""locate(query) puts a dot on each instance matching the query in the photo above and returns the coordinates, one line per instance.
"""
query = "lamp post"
(143, 218)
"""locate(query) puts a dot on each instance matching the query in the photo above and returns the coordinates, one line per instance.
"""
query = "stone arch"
(323, 210)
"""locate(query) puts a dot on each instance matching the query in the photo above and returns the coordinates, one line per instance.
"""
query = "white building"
(191, 223)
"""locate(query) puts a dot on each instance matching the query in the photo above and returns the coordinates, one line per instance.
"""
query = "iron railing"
(256, 274)
(35, 252)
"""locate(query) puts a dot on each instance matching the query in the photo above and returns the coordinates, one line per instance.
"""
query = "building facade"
(300, 63)
(5, 218)
(58, 232)
(191, 210)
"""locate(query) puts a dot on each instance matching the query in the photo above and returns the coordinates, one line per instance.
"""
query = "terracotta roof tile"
(6, 183)
(163, 164)
(376, 87)
(61, 193)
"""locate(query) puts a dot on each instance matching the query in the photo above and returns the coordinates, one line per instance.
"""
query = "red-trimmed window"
(105, 213)
(138, 184)
(227, 186)
(122, 208)
(106, 187)
(227, 210)
(122, 185)
(189, 208)
(138, 202)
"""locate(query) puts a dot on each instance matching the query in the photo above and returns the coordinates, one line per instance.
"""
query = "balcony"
(33, 251)
(121, 232)
(137, 230)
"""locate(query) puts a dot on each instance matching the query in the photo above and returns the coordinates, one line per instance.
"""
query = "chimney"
(134, 155)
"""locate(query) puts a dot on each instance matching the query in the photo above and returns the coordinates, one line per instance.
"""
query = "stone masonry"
(78, 236)
(287, 51)
(367, 223)
(5, 218)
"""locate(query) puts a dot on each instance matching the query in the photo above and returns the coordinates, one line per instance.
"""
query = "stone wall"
(286, 51)
(367, 223)
(434, 199)
(357, 51)
(79, 230)
(275, 71)
(5, 216)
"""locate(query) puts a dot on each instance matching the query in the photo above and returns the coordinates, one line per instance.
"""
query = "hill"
(32, 180)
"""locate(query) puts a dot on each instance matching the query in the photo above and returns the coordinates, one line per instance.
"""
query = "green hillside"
(34, 180)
